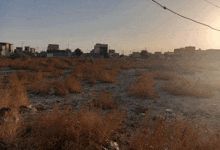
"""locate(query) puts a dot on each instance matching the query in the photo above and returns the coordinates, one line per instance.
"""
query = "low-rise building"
(6, 49)
(135, 55)
(27, 48)
(53, 47)
(111, 51)
(59, 53)
(102, 49)
(19, 49)
(32, 50)
(114, 55)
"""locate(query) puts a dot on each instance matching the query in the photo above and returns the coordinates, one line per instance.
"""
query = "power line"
(185, 17)
(212, 4)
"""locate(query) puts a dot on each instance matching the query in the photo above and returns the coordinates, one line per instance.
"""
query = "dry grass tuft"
(144, 87)
(55, 72)
(13, 95)
(40, 87)
(94, 73)
(22, 76)
(102, 100)
(179, 134)
(185, 87)
(70, 130)
(59, 87)
(73, 84)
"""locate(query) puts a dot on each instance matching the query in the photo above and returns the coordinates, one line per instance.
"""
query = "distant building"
(114, 55)
(6, 49)
(135, 55)
(59, 53)
(88, 55)
(53, 47)
(169, 53)
(19, 49)
(42, 54)
(188, 50)
(157, 53)
(111, 51)
(32, 50)
(101, 48)
(27, 48)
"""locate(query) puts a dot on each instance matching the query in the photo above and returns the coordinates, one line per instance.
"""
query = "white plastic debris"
(114, 146)
(29, 106)
(143, 114)
(17, 119)
(168, 110)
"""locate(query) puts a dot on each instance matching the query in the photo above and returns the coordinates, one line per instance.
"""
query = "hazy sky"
(129, 25)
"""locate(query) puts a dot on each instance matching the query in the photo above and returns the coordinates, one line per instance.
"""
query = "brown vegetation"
(13, 93)
(73, 84)
(94, 128)
(67, 130)
(103, 100)
(40, 87)
(144, 86)
(185, 87)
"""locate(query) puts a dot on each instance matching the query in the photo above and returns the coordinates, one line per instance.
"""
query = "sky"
(125, 25)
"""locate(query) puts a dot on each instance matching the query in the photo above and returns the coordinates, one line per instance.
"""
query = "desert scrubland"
(94, 104)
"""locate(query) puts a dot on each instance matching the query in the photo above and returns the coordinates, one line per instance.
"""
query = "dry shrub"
(72, 130)
(17, 64)
(5, 62)
(55, 73)
(14, 93)
(102, 100)
(165, 75)
(22, 76)
(10, 128)
(59, 87)
(73, 84)
(95, 72)
(106, 77)
(57, 63)
(144, 86)
(40, 87)
(185, 87)
(37, 76)
(179, 134)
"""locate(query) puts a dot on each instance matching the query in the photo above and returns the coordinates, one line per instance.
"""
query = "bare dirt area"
(187, 89)
(183, 106)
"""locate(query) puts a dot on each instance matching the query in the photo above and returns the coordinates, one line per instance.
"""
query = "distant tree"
(78, 52)
(144, 53)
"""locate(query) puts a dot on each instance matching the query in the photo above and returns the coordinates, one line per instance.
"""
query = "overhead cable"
(212, 4)
(185, 17)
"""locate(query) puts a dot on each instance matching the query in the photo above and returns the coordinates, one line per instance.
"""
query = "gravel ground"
(186, 107)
